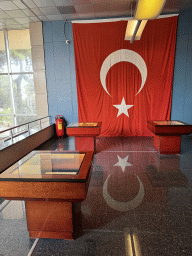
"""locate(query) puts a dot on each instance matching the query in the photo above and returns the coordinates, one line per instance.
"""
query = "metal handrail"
(11, 128)
(15, 135)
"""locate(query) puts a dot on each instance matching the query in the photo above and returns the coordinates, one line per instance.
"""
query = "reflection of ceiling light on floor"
(128, 244)
(136, 244)
(132, 245)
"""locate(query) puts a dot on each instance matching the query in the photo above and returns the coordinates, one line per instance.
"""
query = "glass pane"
(5, 123)
(25, 119)
(24, 95)
(51, 163)
(76, 124)
(5, 103)
(3, 59)
(20, 50)
(168, 123)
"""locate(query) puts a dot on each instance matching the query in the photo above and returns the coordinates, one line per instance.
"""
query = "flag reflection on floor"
(119, 184)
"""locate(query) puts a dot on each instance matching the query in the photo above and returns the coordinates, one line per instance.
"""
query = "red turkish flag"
(120, 84)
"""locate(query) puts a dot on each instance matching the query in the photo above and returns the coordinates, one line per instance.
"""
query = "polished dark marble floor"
(138, 203)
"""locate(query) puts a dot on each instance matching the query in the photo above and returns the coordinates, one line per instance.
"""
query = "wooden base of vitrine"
(167, 145)
(50, 219)
(52, 235)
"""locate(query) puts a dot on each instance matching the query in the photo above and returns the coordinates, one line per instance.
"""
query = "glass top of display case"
(49, 165)
(84, 124)
(168, 123)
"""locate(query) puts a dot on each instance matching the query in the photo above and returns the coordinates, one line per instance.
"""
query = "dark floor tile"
(157, 244)
(166, 177)
(151, 223)
(67, 143)
(19, 246)
(179, 201)
(92, 244)
(159, 223)
(1, 200)
(6, 226)
(16, 241)
(178, 225)
(188, 222)
(49, 144)
(109, 223)
(151, 208)
(125, 144)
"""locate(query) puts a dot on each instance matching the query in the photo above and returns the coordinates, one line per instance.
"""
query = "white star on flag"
(123, 163)
(123, 108)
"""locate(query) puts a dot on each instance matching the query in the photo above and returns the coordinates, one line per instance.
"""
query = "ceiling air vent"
(66, 9)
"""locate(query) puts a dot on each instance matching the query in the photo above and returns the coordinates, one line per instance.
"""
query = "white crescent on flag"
(119, 56)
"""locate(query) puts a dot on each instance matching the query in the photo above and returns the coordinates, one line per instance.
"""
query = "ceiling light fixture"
(145, 10)
(148, 9)
(134, 29)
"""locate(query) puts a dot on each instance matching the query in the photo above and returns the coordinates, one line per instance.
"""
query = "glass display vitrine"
(167, 135)
(85, 134)
(51, 184)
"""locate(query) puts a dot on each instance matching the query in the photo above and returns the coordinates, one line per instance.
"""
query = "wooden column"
(49, 219)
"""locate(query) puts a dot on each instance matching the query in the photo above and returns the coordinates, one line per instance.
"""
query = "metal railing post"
(11, 136)
(18, 133)
(28, 130)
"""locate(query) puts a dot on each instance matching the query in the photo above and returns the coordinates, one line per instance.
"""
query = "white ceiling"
(17, 14)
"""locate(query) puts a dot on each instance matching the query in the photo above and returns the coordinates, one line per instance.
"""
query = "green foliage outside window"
(22, 84)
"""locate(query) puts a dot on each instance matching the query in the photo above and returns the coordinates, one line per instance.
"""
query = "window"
(17, 96)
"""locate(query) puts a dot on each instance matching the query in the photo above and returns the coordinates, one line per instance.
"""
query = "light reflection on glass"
(20, 50)
(168, 123)
(3, 57)
(51, 163)
(76, 124)
(24, 96)
(87, 124)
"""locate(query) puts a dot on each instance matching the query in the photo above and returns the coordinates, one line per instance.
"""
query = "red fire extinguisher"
(59, 125)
